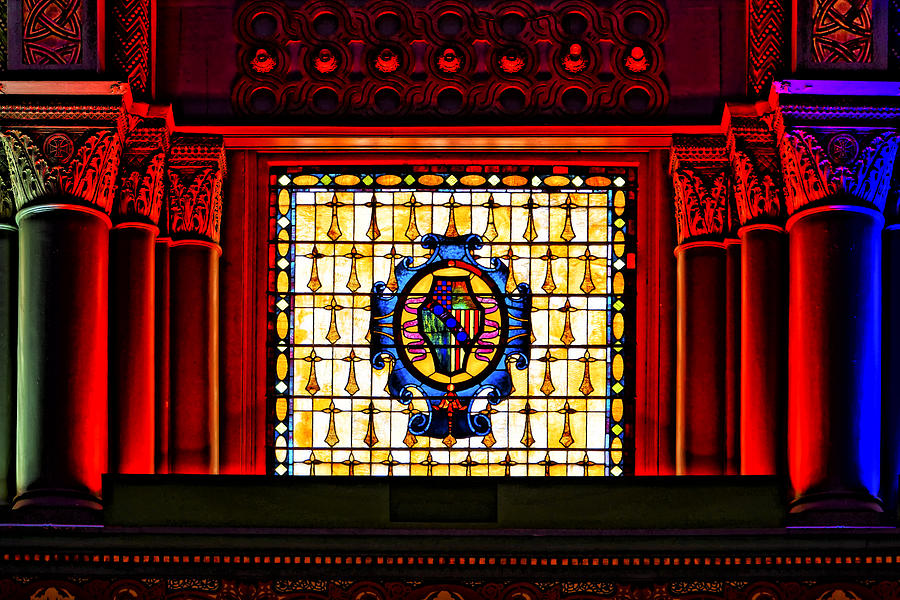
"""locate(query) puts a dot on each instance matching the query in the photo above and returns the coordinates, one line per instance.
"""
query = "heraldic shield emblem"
(449, 331)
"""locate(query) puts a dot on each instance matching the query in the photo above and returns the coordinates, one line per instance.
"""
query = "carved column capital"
(196, 172)
(851, 163)
(142, 188)
(89, 176)
(857, 166)
(703, 188)
(753, 155)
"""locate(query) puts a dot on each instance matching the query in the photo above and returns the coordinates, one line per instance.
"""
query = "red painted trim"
(830, 208)
(731, 242)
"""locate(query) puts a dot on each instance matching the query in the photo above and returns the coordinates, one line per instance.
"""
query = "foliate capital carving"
(142, 188)
(757, 173)
(703, 189)
(27, 170)
(196, 173)
(92, 172)
(90, 175)
(813, 175)
(701, 204)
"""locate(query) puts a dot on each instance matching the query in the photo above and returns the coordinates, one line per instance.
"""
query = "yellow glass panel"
(556, 181)
(615, 454)
(306, 180)
(619, 243)
(618, 366)
(389, 180)
(618, 409)
(472, 180)
(618, 283)
(598, 181)
(281, 408)
(346, 180)
(431, 179)
(618, 326)
(515, 180)
(281, 366)
(281, 325)
(284, 202)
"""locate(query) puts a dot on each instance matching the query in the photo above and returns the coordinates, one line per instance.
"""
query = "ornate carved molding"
(142, 186)
(196, 173)
(131, 33)
(812, 175)
(205, 588)
(572, 59)
(704, 201)
(766, 44)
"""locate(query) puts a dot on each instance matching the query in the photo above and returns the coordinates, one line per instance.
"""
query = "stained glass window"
(432, 321)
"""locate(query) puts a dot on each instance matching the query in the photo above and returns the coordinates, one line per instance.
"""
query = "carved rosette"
(813, 176)
(704, 199)
(757, 174)
(142, 187)
(196, 172)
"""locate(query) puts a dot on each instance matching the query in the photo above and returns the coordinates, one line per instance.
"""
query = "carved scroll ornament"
(700, 204)
(811, 175)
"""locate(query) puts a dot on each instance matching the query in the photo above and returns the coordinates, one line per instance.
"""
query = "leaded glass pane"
(557, 241)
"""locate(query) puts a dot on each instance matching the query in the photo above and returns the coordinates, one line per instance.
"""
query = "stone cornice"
(195, 176)
(702, 185)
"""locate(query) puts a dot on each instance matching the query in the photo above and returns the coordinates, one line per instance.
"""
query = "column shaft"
(61, 421)
(732, 356)
(9, 267)
(763, 349)
(163, 324)
(891, 409)
(701, 343)
(132, 362)
(194, 277)
(834, 381)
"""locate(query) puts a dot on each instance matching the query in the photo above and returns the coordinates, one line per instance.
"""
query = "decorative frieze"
(766, 44)
(131, 33)
(142, 186)
(196, 171)
(704, 205)
(570, 59)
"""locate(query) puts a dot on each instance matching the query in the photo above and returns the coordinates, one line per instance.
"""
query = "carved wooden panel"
(766, 44)
(574, 59)
(52, 34)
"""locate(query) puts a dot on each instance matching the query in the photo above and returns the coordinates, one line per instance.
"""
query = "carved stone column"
(763, 333)
(196, 170)
(890, 467)
(701, 184)
(132, 372)
(61, 420)
(9, 274)
(835, 199)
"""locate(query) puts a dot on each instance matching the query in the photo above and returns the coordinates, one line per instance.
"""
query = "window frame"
(244, 428)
